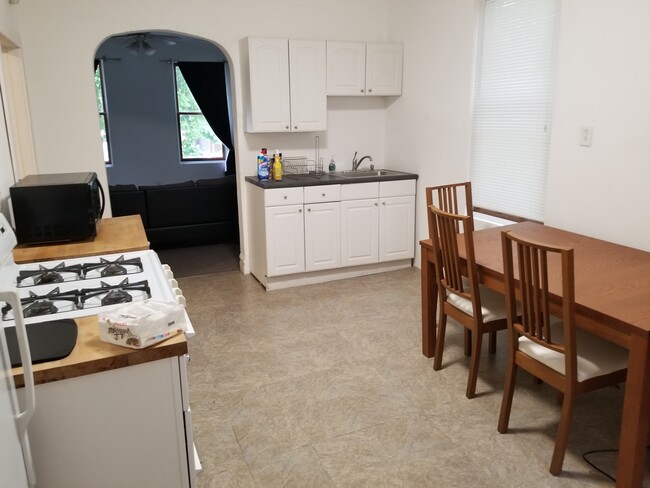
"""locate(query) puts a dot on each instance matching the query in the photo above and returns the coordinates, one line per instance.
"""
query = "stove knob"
(167, 271)
(179, 296)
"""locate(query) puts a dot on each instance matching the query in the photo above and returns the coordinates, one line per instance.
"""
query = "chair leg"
(440, 341)
(474, 364)
(560, 398)
(493, 343)
(468, 342)
(506, 402)
(562, 436)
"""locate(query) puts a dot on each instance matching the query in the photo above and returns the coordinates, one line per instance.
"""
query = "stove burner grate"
(119, 266)
(35, 305)
(113, 294)
(45, 276)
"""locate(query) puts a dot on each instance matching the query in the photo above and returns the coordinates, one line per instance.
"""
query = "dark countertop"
(293, 180)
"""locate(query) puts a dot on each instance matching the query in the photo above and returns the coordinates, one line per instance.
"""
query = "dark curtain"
(207, 82)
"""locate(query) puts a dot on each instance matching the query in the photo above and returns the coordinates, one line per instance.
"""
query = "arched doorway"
(164, 160)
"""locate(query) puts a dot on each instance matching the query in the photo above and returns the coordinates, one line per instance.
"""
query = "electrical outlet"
(586, 135)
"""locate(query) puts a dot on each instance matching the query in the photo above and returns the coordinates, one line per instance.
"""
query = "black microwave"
(57, 207)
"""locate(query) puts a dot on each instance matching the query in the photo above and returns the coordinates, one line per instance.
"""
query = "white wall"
(60, 38)
(8, 23)
(604, 82)
(9, 34)
(429, 126)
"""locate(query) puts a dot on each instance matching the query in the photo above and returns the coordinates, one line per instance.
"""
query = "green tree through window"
(198, 140)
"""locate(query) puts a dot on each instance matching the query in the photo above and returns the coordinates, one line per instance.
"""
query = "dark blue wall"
(140, 102)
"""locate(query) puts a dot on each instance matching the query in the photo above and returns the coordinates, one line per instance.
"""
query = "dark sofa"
(182, 214)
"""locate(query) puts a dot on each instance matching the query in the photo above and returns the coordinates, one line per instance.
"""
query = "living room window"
(198, 141)
(101, 107)
(513, 106)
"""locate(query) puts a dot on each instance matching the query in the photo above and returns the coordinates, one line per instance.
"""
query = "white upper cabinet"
(359, 68)
(287, 85)
(383, 69)
(269, 109)
(346, 68)
(308, 85)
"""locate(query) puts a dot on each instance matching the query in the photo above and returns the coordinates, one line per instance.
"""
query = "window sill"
(484, 221)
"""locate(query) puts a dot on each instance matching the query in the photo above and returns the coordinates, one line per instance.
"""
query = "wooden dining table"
(612, 295)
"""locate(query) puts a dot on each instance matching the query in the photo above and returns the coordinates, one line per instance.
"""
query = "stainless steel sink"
(361, 173)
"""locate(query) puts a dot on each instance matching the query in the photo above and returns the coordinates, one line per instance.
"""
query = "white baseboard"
(289, 281)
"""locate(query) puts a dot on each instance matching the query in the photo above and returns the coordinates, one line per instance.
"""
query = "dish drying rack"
(296, 166)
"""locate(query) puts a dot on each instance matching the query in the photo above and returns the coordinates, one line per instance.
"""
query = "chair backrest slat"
(449, 268)
(531, 290)
(454, 198)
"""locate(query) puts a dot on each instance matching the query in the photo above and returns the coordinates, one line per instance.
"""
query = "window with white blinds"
(513, 104)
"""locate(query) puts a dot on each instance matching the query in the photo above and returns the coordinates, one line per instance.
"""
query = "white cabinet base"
(288, 281)
(124, 427)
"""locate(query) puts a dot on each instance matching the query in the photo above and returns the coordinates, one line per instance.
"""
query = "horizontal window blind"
(513, 103)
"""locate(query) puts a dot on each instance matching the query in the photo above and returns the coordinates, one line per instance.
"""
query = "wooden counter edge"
(91, 355)
(114, 235)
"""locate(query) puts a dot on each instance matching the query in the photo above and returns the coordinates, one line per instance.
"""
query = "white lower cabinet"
(328, 229)
(396, 227)
(128, 427)
(322, 236)
(359, 232)
(380, 228)
(285, 242)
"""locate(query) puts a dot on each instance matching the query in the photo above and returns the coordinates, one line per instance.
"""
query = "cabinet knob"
(295, 127)
(375, 204)
(285, 197)
(383, 203)
(300, 210)
(369, 90)
(362, 90)
(286, 127)
(323, 194)
(309, 210)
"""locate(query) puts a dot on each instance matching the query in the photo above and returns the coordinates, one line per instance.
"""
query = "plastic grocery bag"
(142, 324)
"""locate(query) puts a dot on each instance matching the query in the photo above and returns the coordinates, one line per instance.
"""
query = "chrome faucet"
(355, 163)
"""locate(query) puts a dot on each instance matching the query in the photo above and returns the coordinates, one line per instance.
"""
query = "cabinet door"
(346, 68)
(396, 228)
(307, 81)
(322, 236)
(269, 85)
(359, 232)
(384, 69)
(285, 241)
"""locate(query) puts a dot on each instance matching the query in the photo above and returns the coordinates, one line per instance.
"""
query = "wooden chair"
(570, 360)
(477, 308)
(454, 198)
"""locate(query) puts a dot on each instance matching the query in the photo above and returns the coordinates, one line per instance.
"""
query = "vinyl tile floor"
(326, 386)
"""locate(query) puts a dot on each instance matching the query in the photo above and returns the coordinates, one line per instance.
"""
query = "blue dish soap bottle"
(262, 166)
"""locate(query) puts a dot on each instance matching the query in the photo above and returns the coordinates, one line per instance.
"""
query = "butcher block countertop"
(92, 355)
(114, 235)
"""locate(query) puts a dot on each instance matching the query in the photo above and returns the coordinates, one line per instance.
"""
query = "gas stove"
(78, 287)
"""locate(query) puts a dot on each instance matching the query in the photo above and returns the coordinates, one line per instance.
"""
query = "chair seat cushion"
(493, 305)
(596, 356)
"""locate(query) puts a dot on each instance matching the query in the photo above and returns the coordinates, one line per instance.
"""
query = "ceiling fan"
(141, 42)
